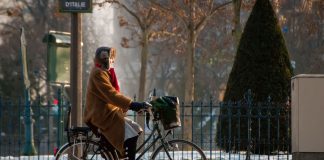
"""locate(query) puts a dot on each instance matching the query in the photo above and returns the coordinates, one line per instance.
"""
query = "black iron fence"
(231, 130)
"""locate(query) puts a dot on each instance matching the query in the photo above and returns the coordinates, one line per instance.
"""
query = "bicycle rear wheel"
(90, 150)
(179, 150)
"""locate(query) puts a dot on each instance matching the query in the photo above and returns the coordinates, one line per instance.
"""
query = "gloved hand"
(136, 106)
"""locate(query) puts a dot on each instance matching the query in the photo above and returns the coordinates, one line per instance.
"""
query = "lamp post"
(29, 147)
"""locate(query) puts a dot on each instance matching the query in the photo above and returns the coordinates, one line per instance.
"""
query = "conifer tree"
(262, 65)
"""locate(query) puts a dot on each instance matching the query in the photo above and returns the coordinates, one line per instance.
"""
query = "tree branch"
(9, 26)
(201, 23)
(140, 23)
(167, 10)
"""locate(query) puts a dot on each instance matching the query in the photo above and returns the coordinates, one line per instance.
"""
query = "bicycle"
(84, 144)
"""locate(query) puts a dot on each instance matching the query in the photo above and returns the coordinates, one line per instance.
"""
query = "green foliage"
(165, 104)
(261, 64)
(167, 108)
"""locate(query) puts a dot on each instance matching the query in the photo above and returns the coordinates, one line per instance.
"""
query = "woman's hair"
(113, 53)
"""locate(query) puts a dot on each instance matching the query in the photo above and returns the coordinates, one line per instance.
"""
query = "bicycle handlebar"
(148, 112)
(146, 108)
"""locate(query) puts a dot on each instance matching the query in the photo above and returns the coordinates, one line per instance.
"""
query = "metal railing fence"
(232, 130)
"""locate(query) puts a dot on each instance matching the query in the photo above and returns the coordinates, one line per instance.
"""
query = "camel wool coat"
(104, 108)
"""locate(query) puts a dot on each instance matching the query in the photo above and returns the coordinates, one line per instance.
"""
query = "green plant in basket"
(166, 109)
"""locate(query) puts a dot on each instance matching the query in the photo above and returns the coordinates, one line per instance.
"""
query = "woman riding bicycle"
(105, 106)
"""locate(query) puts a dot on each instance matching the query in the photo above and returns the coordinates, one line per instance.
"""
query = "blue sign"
(285, 29)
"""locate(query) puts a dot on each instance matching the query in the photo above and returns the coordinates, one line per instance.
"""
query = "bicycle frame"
(156, 129)
(150, 141)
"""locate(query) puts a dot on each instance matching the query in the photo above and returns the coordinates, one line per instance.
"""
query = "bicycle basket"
(166, 109)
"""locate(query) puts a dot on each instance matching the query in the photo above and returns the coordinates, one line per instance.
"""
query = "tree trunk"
(189, 93)
(144, 55)
(189, 81)
(237, 31)
(189, 71)
(140, 119)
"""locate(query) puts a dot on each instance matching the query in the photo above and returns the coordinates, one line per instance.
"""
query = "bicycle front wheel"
(90, 150)
(178, 150)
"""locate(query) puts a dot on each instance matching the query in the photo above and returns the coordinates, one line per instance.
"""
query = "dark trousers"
(130, 148)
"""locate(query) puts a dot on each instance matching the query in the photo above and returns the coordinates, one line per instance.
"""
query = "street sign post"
(76, 7)
(80, 6)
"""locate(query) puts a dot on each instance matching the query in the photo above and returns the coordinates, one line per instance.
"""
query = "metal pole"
(29, 147)
(76, 70)
(59, 115)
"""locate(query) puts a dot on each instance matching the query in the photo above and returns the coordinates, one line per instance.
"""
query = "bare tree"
(145, 24)
(193, 16)
(302, 24)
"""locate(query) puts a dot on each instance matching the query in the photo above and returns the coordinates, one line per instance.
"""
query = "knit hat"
(100, 49)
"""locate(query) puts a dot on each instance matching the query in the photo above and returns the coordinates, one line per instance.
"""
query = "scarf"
(113, 77)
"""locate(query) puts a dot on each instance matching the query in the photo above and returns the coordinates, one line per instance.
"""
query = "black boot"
(130, 147)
